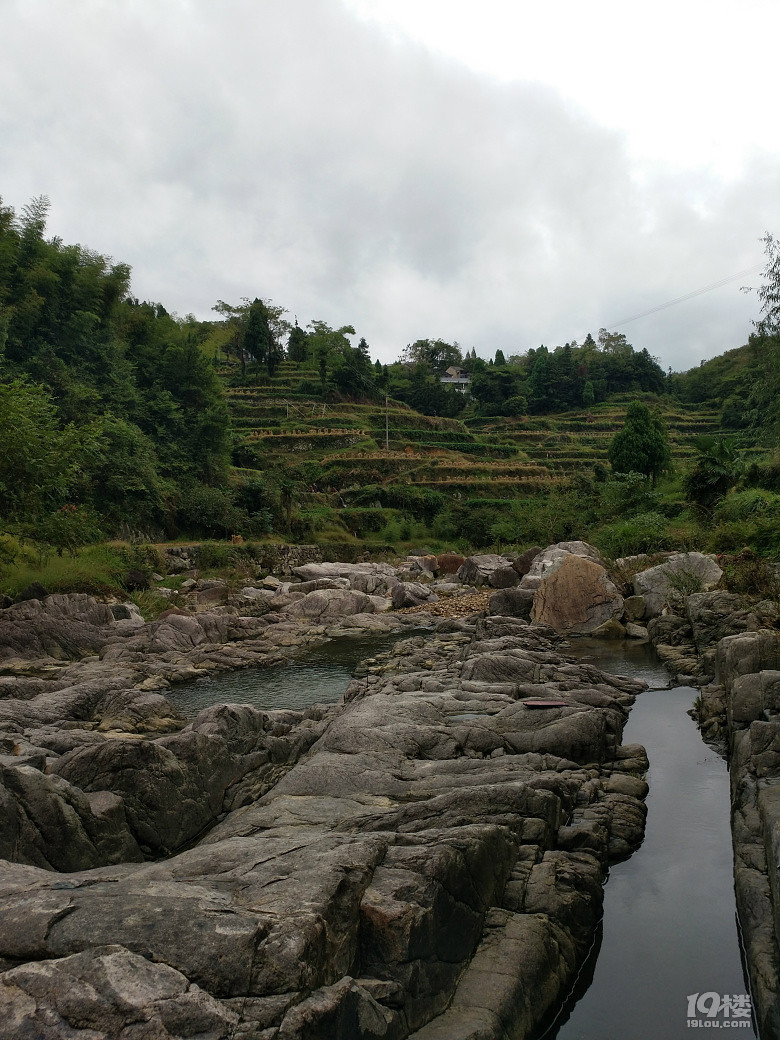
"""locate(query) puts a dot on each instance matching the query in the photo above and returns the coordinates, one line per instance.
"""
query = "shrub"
(744, 505)
(627, 494)
(749, 574)
(209, 511)
(69, 528)
(360, 521)
(214, 555)
(644, 533)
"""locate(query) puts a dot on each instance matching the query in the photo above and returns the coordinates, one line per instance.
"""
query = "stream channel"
(669, 929)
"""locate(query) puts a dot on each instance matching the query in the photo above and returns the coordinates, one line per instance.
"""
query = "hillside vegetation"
(120, 420)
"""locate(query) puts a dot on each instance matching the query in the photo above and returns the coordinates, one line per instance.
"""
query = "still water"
(669, 928)
(319, 677)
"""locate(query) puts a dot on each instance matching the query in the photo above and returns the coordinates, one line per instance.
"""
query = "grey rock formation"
(679, 576)
(476, 570)
(411, 594)
(372, 869)
(512, 602)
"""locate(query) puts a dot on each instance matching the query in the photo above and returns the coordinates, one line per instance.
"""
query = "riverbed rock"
(411, 594)
(671, 582)
(449, 563)
(513, 602)
(61, 627)
(476, 570)
(523, 563)
(714, 615)
(504, 577)
(362, 869)
(634, 607)
(368, 578)
(576, 595)
(107, 992)
(330, 605)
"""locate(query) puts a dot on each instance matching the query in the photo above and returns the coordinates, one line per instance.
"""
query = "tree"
(764, 400)
(297, 344)
(769, 293)
(433, 352)
(642, 446)
(717, 468)
(39, 461)
(257, 334)
(327, 344)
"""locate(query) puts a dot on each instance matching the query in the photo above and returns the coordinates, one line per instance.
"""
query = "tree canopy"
(642, 446)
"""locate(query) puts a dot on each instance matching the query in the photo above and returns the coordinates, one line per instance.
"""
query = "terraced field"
(352, 446)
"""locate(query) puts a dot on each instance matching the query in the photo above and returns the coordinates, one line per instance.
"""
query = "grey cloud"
(286, 150)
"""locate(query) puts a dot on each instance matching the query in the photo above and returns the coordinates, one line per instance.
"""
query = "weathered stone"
(524, 562)
(634, 607)
(512, 603)
(385, 832)
(33, 591)
(476, 570)
(330, 604)
(611, 629)
(411, 594)
(576, 596)
(58, 626)
(107, 992)
(714, 615)
(672, 581)
(449, 563)
(504, 578)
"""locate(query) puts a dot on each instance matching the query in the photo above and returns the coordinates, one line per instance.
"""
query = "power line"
(687, 296)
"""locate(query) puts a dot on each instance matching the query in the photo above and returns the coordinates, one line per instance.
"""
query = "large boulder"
(511, 603)
(476, 570)
(524, 562)
(330, 605)
(548, 560)
(504, 577)
(61, 626)
(714, 615)
(411, 594)
(577, 596)
(449, 562)
(679, 576)
(106, 992)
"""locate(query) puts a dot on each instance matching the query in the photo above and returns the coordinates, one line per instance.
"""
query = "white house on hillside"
(456, 377)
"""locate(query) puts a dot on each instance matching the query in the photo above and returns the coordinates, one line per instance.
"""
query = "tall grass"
(95, 569)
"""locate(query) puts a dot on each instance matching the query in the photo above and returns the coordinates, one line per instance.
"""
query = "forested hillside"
(107, 403)
(118, 419)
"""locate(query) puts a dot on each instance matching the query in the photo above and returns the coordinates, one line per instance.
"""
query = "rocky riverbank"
(424, 859)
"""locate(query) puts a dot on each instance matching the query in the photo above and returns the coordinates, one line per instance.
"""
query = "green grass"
(95, 569)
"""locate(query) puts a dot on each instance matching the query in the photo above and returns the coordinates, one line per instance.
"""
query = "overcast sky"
(502, 173)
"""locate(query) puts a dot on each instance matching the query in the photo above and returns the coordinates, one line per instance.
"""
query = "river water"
(669, 929)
